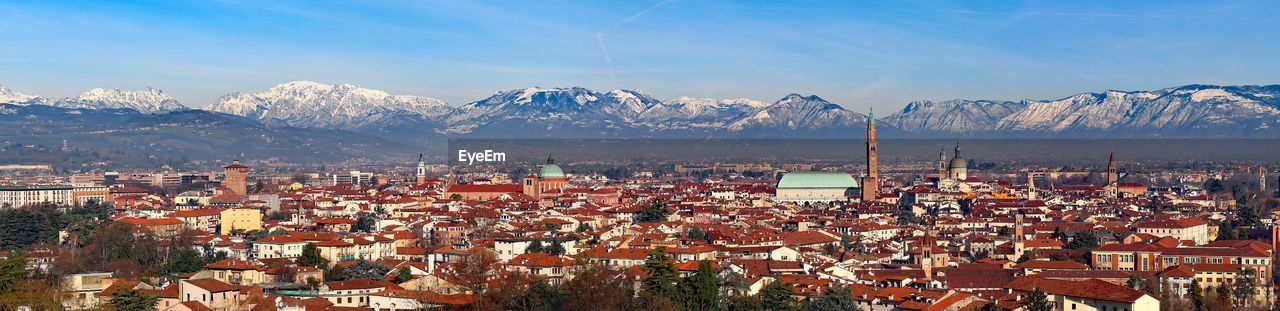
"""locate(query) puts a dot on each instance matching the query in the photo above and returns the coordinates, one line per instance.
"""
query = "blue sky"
(857, 54)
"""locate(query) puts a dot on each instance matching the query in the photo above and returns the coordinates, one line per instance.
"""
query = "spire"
(871, 116)
(549, 159)
(957, 149)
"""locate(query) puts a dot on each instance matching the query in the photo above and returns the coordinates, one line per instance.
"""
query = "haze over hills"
(343, 114)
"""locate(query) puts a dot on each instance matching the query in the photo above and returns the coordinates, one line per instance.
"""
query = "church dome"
(551, 171)
(958, 161)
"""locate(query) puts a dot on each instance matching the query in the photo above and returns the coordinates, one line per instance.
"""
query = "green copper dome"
(551, 171)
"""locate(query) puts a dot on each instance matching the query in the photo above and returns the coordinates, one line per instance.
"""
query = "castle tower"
(422, 170)
(1113, 171)
(871, 183)
(235, 177)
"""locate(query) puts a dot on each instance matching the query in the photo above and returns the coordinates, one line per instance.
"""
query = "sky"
(859, 54)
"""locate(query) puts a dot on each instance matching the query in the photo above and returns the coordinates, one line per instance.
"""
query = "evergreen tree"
(1084, 239)
(1039, 301)
(556, 248)
(311, 257)
(12, 270)
(836, 298)
(705, 289)
(654, 212)
(583, 227)
(544, 296)
(183, 260)
(662, 274)
(133, 300)
(364, 223)
(364, 269)
(1246, 286)
(404, 275)
(777, 297)
(535, 246)
(1196, 294)
(1226, 231)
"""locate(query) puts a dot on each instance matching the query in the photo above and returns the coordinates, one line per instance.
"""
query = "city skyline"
(858, 55)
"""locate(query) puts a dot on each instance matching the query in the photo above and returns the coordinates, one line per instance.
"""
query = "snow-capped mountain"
(1185, 111)
(550, 109)
(796, 112)
(148, 100)
(10, 96)
(1192, 110)
(334, 106)
(690, 112)
(952, 116)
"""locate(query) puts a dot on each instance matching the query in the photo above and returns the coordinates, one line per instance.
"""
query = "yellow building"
(247, 219)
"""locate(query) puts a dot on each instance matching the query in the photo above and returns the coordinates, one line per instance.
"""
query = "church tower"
(1031, 186)
(1262, 180)
(1113, 171)
(942, 164)
(422, 170)
(871, 183)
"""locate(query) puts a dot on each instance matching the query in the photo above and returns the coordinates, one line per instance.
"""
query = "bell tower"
(871, 183)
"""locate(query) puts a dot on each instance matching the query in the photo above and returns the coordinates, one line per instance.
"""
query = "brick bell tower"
(871, 182)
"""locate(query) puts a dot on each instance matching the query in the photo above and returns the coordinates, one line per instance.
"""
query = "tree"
(1084, 239)
(696, 233)
(1226, 231)
(556, 248)
(535, 246)
(1039, 301)
(403, 275)
(286, 273)
(311, 257)
(1196, 295)
(1224, 294)
(364, 223)
(36, 294)
(661, 284)
(475, 270)
(183, 260)
(1246, 286)
(777, 297)
(836, 298)
(594, 287)
(133, 300)
(704, 293)
(654, 212)
(12, 270)
(1135, 282)
(364, 269)
(583, 227)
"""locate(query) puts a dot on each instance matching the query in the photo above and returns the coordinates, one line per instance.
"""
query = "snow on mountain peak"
(10, 96)
(147, 100)
(315, 104)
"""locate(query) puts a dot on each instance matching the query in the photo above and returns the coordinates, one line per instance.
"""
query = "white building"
(17, 196)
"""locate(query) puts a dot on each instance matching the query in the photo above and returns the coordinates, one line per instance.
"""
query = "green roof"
(551, 171)
(817, 180)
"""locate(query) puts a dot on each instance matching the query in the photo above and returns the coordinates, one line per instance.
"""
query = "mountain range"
(375, 117)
